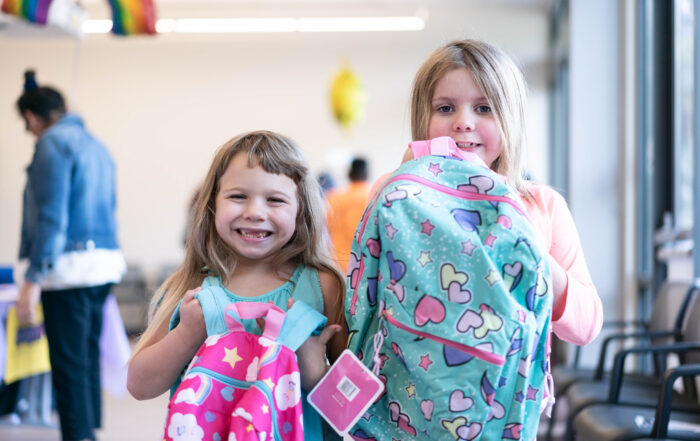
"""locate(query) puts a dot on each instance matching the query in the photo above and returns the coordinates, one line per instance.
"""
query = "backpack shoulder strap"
(213, 299)
(436, 147)
(442, 146)
(300, 322)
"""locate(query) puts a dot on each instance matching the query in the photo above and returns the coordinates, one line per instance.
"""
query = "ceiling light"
(360, 24)
(282, 24)
(97, 26)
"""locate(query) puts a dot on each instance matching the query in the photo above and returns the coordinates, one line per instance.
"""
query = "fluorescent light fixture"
(97, 26)
(263, 25)
(215, 25)
(360, 24)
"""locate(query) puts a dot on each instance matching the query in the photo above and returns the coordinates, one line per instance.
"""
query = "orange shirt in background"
(345, 208)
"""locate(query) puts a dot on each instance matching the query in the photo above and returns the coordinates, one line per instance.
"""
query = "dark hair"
(358, 170)
(44, 102)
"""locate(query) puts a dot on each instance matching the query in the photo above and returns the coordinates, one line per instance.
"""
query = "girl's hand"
(559, 283)
(312, 357)
(192, 318)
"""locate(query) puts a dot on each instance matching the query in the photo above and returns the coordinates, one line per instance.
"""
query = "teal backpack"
(448, 301)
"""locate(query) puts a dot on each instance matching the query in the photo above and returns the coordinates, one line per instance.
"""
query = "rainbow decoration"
(35, 11)
(131, 17)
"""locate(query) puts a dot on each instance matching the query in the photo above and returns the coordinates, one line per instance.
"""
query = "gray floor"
(124, 419)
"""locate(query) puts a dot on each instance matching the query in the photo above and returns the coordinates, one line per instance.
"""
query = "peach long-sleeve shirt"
(580, 316)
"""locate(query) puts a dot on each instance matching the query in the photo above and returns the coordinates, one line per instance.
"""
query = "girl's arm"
(577, 313)
(155, 368)
(333, 308)
(330, 343)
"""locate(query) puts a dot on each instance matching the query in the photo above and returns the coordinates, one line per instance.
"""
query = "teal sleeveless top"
(304, 285)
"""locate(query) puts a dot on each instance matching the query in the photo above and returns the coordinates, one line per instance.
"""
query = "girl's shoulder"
(329, 282)
(542, 191)
(542, 197)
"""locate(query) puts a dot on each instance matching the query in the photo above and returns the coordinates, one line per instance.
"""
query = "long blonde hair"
(206, 253)
(501, 82)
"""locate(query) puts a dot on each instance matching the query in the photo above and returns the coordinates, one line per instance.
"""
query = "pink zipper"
(489, 357)
(456, 193)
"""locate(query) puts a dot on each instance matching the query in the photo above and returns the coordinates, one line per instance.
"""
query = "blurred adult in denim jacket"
(70, 250)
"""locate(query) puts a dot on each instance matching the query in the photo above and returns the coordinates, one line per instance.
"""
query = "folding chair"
(581, 387)
(620, 420)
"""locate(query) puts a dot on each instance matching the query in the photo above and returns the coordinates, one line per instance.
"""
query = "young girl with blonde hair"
(258, 230)
(444, 253)
(474, 92)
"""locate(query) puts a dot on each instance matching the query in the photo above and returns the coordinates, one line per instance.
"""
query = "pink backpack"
(241, 386)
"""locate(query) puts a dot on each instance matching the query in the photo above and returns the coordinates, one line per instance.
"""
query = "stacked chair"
(584, 387)
(674, 416)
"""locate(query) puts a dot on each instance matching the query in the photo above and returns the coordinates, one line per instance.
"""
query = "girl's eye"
(237, 196)
(276, 200)
(483, 109)
(444, 108)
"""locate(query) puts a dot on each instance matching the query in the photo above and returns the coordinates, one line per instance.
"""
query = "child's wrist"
(185, 337)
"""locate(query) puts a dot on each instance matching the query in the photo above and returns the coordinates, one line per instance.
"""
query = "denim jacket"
(69, 198)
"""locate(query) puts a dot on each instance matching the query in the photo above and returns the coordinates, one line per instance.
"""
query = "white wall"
(164, 104)
(599, 182)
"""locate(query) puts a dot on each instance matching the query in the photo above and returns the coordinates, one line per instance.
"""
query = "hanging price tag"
(345, 393)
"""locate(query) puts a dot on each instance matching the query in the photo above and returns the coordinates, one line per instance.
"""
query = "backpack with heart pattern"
(448, 299)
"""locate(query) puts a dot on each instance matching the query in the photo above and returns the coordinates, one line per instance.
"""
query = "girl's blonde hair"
(206, 253)
(501, 82)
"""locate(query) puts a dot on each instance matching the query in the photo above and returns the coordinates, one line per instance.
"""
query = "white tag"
(345, 393)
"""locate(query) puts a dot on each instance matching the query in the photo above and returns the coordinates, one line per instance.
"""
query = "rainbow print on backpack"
(241, 386)
(447, 278)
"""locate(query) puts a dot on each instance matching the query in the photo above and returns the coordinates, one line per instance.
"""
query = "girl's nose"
(254, 211)
(464, 122)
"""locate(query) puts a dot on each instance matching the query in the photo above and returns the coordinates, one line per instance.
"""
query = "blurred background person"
(69, 253)
(326, 181)
(345, 208)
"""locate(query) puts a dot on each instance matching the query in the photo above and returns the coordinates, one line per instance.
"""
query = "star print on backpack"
(449, 295)
(241, 386)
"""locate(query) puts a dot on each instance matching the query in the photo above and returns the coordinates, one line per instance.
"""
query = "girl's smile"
(255, 210)
(253, 235)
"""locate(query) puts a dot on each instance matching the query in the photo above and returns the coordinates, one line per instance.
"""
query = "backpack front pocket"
(202, 405)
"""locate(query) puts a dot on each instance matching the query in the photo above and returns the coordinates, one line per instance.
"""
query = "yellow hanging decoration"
(347, 97)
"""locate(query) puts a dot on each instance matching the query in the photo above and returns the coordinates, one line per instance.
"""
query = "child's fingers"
(189, 295)
(290, 302)
(328, 333)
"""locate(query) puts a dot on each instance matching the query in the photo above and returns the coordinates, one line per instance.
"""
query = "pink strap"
(442, 146)
(274, 317)
(419, 148)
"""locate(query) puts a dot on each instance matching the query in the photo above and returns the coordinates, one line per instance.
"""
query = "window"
(684, 112)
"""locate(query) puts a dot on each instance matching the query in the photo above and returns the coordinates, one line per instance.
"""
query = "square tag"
(346, 391)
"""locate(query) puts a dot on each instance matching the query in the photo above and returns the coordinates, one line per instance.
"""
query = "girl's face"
(255, 210)
(460, 110)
